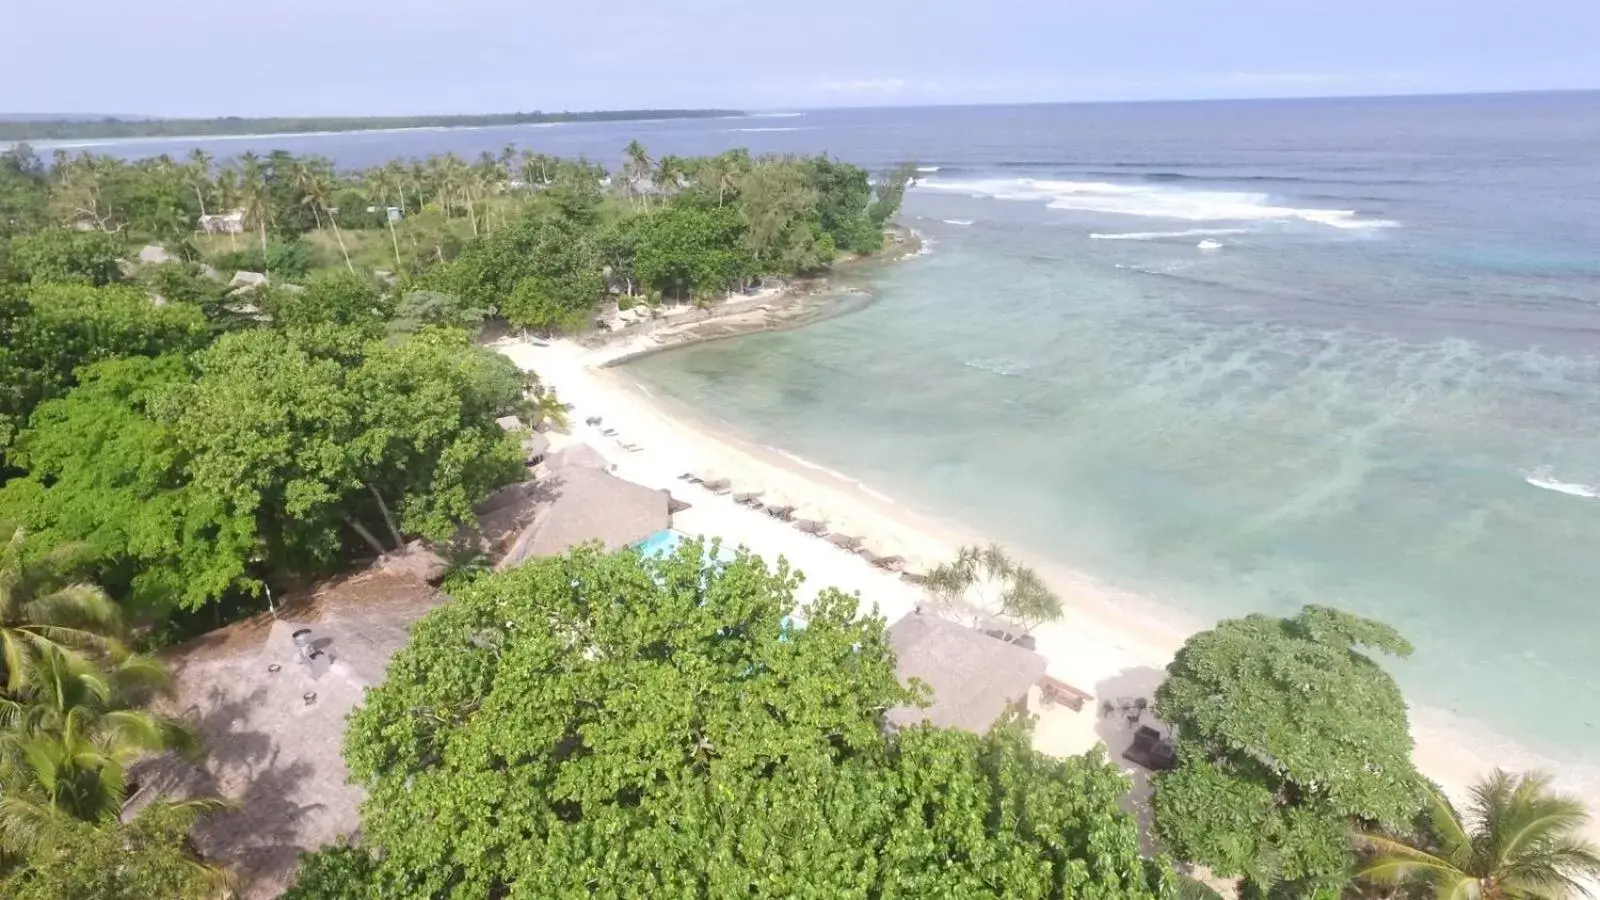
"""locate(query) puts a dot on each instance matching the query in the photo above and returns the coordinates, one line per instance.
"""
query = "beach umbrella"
(776, 504)
(844, 533)
(880, 553)
(810, 519)
(714, 481)
(747, 496)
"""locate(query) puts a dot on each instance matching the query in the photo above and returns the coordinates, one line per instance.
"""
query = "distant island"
(73, 128)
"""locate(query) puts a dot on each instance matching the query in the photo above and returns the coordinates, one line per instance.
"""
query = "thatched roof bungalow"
(974, 677)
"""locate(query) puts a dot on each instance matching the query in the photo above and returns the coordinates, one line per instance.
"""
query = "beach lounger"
(1054, 690)
(1151, 750)
(629, 446)
(609, 432)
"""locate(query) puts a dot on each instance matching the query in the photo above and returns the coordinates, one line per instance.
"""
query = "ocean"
(1231, 357)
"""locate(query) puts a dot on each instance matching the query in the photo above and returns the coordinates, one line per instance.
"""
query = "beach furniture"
(1055, 691)
(714, 482)
(628, 445)
(747, 498)
(1150, 750)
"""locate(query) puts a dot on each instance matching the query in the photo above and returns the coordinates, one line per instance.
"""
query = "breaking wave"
(956, 221)
(1151, 201)
(1158, 235)
(1541, 478)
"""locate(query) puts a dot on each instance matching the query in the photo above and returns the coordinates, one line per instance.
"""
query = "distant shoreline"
(233, 126)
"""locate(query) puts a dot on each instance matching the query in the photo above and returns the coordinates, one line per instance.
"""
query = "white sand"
(1109, 645)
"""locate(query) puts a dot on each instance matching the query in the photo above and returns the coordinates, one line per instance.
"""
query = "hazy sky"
(203, 57)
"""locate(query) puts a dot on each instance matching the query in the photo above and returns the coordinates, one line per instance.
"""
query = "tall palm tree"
(198, 174)
(317, 188)
(1518, 841)
(383, 184)
(39, 615)
(635, 166)
(228, 196)
(254, 196)
(401, 178)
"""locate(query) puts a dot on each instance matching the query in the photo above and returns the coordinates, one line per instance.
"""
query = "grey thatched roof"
(577, 505)
(576, 456)
(973, 676)
(268, 749)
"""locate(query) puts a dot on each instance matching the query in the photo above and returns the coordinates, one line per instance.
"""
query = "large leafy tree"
(1288, 733)
(1518, 841)
(689, 251)
(48, 332)
(606, 726)
(106, 471)
(320, 433)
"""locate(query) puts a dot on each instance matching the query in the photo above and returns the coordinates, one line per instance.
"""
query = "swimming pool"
(665, 543)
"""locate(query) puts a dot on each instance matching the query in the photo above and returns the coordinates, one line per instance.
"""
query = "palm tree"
(300, 177)
(198, 174)
(70, 739)
(669, 173)
(317, 188)
(254, 195)
(401, 178)
(1518, 841)
(383, 184)
(635, 165)
(228, 196)
(38, 616)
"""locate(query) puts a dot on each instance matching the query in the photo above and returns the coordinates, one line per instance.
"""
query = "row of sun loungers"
(806, 519)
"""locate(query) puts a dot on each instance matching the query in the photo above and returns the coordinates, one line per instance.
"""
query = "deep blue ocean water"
(1377, 385)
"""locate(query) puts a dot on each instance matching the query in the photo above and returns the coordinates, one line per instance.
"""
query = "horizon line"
(132, 118)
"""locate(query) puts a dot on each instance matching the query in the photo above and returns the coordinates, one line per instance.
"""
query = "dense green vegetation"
(602, 726)
(111, 127)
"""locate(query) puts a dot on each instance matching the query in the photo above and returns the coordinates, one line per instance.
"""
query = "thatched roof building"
(974, 677)
(273, 721)
(577, 505)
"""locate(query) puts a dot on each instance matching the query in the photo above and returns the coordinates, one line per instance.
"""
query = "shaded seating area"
(974, 677)
(1055, 691)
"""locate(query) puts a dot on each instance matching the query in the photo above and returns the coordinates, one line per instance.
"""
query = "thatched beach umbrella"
(777, 505)
(747, 496)
(881, 554)
(844, 533)
(810, 520)
(714, 481)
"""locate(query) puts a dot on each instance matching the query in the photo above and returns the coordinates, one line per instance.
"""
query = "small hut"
(975, 678)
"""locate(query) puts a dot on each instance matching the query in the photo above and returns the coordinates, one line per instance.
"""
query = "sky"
(396, 57)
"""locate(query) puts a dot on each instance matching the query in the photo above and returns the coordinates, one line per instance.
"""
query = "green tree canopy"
(66, 256)
(1287, 734)
(49, 331)
(319, 434)
(106, 471)
(606, 726)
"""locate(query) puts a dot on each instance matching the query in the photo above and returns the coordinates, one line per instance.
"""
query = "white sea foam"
(1209, 245)
(956, 221)
(775, 115)
(927, 169)
(1158, 235)
(789, 128)
(1153, 201)
(1541, 478)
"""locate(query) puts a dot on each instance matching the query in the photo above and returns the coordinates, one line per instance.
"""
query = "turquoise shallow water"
(1399, 419)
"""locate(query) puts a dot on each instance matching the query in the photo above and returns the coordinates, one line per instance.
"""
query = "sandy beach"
(1108, 644)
